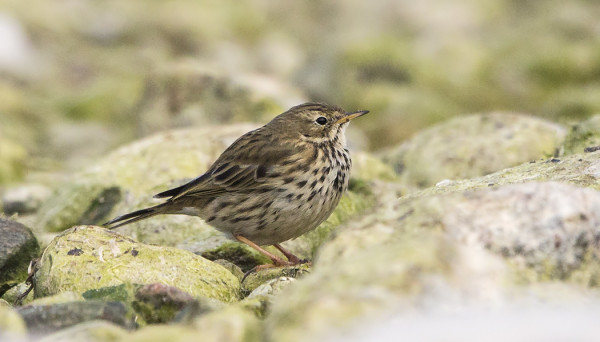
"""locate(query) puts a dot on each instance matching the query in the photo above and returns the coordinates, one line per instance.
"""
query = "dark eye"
(321, 120)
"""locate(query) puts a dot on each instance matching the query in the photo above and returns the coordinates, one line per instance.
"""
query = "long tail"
(135, 216)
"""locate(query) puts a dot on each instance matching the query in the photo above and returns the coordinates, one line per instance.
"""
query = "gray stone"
(24, 199)
(92, 331)
(42, 319)
(18, 247)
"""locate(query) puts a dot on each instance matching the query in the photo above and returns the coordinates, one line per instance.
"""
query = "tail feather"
(133, 216)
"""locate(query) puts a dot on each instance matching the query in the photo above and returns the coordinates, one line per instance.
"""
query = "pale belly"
(284, 213)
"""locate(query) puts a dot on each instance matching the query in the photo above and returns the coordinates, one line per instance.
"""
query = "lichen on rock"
(89, 257)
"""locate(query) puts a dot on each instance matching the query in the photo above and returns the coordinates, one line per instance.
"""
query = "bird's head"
(315, 122)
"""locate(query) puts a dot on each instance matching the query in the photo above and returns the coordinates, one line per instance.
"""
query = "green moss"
(12, 326)
(257, 278)
(120, 293)
(13, 158)
(582, 135)
(241, 255)
(87, 257)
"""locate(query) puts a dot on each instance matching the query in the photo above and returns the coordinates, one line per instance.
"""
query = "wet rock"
(92, 331)
(89, 257)
(472, 146)
(12, 326)
(18, 246)
(41, 319)
(25, 199)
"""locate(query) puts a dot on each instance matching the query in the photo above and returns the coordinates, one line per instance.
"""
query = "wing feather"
(244, 166)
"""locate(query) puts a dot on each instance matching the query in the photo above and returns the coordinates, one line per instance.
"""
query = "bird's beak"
(349, 116)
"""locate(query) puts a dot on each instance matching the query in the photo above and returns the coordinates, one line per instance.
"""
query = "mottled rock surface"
(89, 257)
(92, 331)
(472, 146)
(583, 136)
(18, 246)
(12, 326)
(42, 319)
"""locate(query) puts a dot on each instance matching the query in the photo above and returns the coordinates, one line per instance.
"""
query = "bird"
(270, 185)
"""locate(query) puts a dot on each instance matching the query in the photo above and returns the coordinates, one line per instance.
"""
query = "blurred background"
(80, 78)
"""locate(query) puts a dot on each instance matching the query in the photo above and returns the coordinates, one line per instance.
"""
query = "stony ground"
(399, 248)
(473, 211)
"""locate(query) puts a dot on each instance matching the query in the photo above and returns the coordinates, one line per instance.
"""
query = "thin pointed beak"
(349, 116)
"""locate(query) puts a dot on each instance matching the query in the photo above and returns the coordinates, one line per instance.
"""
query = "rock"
(18, 247)
(272, 287)
(12, 326)
(230, 324)
(155, 303)
(259, 300)
(544, 322)
(585, 134)
(59, 298)
(366, 166)
(127, 179)
(406, 274)
(239, 254)
(13, 157)
(92, 331)
(16, 291)
(24, 199)
(578, 169)
(89, 257)
(545, 230)
(158, 303)
(42, 319)
(257, 278)
(231, 267)
(472, 146)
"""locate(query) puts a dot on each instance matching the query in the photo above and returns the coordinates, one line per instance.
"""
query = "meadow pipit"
(272, 184)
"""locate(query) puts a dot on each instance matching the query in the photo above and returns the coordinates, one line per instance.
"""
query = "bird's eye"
(321, 120)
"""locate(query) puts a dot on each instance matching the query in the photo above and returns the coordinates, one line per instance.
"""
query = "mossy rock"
(473, 146)
(88, 257)
(12, 326)
(583, 135)
(13, 158)
(127, 179)
(544, 230)
(376, 281)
